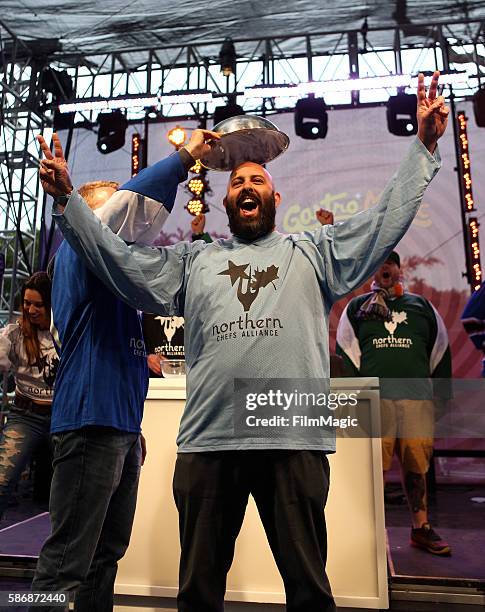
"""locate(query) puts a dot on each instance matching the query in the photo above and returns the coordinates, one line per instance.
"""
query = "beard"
(247, 228)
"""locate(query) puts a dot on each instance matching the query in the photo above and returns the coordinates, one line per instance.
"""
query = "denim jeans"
(24, 431)
(92, 505)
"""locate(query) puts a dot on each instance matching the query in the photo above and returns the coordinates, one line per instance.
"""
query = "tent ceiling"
(88, 27)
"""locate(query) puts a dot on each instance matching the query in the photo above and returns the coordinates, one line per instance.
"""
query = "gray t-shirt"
(252, 310)
(33, 381)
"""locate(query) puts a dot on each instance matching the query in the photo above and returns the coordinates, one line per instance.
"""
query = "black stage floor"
(458, 519)
(452, 512)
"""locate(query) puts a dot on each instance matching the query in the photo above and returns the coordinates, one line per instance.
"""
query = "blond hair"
(87, 190)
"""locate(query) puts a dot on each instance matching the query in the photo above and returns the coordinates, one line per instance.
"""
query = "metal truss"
(365, 52)
(20, 121)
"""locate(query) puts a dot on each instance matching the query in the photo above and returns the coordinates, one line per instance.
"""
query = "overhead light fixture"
(320, 88)
(401, 114)
(58, 83)
(198, 96)
(227, 57)
(136, 154)
(197, 185)
(132, 102)
(272, 91)
(479, 107)
(104, 104)
(177, 136)
(197, 167)
(311, 118)
(231, 109)
(196, 206)
(111, 132)
(61, 86)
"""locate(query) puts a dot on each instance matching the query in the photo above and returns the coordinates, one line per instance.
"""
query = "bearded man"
(248, 301)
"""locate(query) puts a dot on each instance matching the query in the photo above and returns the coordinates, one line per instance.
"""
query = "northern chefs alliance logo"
(397, 318)
(254, 282)
(249, 285)
(393, 341)
(169, 326)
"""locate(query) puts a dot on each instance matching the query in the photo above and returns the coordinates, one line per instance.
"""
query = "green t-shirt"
(414, 345)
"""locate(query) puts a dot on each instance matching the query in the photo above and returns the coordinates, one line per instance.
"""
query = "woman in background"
(27, 349)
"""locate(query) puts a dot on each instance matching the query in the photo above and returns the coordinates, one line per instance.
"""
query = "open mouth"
(386, 275)
(248, 206)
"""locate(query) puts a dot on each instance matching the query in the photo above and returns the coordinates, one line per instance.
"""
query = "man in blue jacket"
(100, 391)
(249, 302)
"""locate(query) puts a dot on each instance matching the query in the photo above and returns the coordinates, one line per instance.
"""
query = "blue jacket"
(103, 376)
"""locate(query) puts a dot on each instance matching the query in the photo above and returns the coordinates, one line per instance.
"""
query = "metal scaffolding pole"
(21, 119)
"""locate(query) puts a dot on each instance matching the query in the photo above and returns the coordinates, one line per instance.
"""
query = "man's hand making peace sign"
(432, 113)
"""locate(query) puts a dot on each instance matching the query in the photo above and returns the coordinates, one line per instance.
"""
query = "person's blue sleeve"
(140, 207)
(147, 278)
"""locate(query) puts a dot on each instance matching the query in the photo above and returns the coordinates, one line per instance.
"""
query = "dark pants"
(290, 490)
(92, 505)
(23, 433)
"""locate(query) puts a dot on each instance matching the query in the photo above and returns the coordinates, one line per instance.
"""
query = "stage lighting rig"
(231, 109)
(196, 206)
(401, 114)
(227, 58)
(111, 132)
(311, 118)
(197, 167)
(198, 187)
(479, 106)
(177, 136)
(61, 86)
(136, 154)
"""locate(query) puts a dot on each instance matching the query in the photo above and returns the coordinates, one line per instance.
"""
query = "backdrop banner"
(344, 173)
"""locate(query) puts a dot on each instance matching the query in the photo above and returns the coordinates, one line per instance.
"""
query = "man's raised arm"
(106, 254)
(352, 250)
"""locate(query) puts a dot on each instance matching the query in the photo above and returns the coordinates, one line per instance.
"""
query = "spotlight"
(196, 185)
(227, 58)
(58, 83)
(196, 206)
(197, 167)
(479, 107)
(311, 118)
(61, 86)
(225, 112)
(151, 112)
(111, 132)
(177, 136)
(401, 114)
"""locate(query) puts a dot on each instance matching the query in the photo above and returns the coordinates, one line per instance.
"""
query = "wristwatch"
(62, 200)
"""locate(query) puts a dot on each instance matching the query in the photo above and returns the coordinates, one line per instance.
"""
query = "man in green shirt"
(392, 334)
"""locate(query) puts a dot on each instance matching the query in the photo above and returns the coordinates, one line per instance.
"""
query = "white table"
(355, 517)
